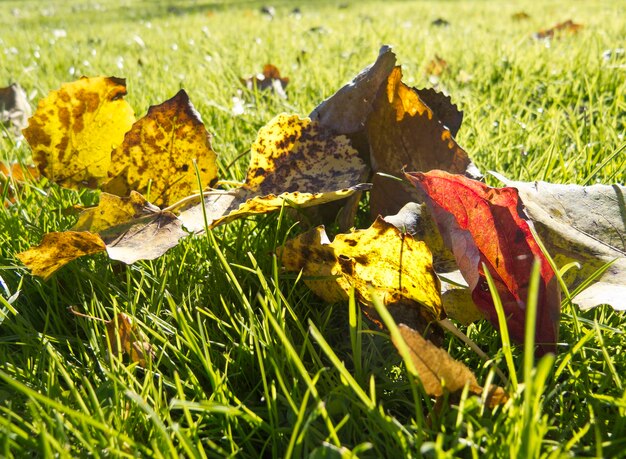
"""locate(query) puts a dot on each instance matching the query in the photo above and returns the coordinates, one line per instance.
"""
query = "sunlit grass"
(248, 362)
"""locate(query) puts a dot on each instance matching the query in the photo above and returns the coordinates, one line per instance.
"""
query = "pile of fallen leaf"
(432, 225)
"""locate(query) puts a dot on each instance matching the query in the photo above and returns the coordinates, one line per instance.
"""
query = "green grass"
(248, 362)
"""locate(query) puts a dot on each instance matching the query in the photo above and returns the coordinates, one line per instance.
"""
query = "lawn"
(248, 361)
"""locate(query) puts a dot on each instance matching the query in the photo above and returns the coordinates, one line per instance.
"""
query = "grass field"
(248, 362)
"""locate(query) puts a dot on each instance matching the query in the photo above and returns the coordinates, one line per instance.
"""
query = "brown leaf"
(159, 151)
(131, 340)
(444, 110)
(346, 111)
(58, 249)
(439, 372)
(404, 132)
(520, 16)
(14, 108)
(269, 80)
(569, 27)
(436, 66)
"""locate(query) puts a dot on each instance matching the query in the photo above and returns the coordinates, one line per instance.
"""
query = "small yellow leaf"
(75, 129)
(294, 161)
(111, 211)
(58, 249)
(159, 151)
(131, 340)
(380, 258)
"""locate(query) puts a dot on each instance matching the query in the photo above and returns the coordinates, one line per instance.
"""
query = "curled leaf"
(58, 249)
(159, 151)
(14, 108)
(75, 128)
(487, 226)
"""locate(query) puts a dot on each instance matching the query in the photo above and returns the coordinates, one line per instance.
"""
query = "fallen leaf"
(436, 66)
(404, 132)
(440, 22)
(14, 108)
(159, 151)
(520, 16)
(586, 224)
(132, 341)
(439, 372)
(444, 110)
(294, 161)
(58, 249)
(113, 210)
(12, 176)
(75, 129)
(568, 26)
(484, 225)
(346, 111)
(381, 258)
(269, 80)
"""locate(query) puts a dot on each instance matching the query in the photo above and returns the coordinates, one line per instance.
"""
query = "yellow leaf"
(294, 161)
(112, 211)
(58, 249)
(380, 258)
(131, 340)
(159, 151)
(75, 128)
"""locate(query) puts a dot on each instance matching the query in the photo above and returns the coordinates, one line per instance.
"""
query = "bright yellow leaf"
(159, 151)
(381, 258)
(75, 129)
(58, 249)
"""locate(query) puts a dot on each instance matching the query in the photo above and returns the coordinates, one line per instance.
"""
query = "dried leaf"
(270, 80)
(484, 225)
(293, 161)
(159, 151)
(520, 16)
(12, 176)
(586, 224)
(131, 340)
(14, 108)
(568, 26)
(404, 132)
(58, 249)
(444, 110)
(381, 258)
(76, 127)
(439, 372)
(346, 111)
(436, 66)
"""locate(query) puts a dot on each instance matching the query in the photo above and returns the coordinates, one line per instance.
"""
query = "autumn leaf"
(484, 225)
(439, 372)
(58, 249)
(268, 80)
(159, 151)
(14, 108)
(404, 132)
(436, 66)
(444, 110)
(346, 111)
(75, 129)
(380, 258)
(568, 26)
(520, 16)
(12, 177)
(294, 161)
(132, 341)
(585, 224)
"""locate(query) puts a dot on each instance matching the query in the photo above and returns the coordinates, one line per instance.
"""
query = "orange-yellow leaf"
(75, 129)
(159, 151)
(131, 340)
(58, 249)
